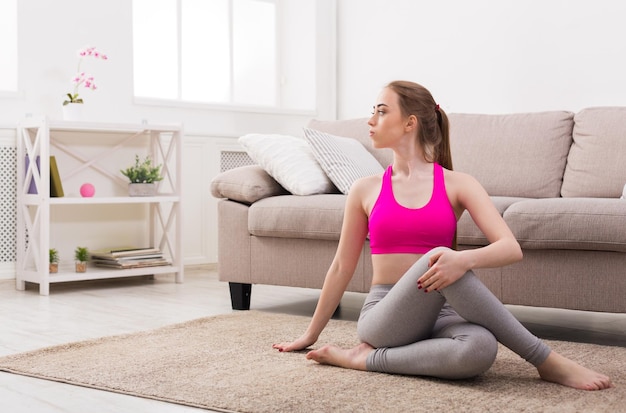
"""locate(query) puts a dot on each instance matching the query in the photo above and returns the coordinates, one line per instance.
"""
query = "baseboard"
(7, 271)
(212, 266)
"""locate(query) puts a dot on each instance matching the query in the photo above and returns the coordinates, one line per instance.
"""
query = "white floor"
(80, 311)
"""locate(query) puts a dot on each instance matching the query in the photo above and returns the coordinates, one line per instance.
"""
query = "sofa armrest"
(246, 184)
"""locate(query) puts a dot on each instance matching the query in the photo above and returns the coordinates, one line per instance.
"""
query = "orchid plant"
(81, 78)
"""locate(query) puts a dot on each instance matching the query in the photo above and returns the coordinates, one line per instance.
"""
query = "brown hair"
(434, 129)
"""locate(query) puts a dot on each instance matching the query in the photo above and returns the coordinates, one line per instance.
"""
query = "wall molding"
(7, 270)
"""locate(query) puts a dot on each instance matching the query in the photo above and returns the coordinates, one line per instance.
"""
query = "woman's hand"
(446, 267)
(299, 344)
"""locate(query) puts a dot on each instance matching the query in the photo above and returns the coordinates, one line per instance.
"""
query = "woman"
(426, 313)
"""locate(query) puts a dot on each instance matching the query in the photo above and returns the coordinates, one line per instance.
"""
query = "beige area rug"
(227, 363)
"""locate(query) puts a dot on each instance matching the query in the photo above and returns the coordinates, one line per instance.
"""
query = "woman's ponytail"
(444, 153)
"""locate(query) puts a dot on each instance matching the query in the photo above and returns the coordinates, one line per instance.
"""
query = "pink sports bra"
(395, 229)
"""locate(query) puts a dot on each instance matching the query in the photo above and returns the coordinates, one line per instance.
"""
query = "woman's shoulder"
(461, 185)
(367, 182)
(365, 190)
(453, 177)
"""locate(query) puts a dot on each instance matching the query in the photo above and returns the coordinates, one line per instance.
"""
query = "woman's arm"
(353, 234)
(503, 248)
(466, 193)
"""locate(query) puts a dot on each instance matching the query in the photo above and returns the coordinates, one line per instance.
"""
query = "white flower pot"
(142, 189)
(73, 111)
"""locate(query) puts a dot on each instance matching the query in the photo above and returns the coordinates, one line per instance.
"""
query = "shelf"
(93, 153)
(98, 273)
(36, 199)
(67, 126)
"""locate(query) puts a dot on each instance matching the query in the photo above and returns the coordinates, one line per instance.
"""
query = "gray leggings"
(418, 333)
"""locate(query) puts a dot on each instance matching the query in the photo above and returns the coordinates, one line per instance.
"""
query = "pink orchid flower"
(81, 78)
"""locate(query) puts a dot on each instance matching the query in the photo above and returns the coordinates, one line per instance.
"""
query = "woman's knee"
(438, 249)
(480, 354)
(421, 265)
(370, 334)
(476, 351)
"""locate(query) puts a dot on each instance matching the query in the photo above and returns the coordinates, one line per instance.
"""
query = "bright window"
(8, 45)
(217, 51)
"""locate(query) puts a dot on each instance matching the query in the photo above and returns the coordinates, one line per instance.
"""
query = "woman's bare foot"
(561, 370)
(353, 358)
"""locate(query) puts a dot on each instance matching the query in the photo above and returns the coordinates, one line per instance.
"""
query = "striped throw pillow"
(344, 160)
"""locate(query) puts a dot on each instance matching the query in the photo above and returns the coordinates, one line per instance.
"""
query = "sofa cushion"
(569, 223)
(343, 159)
(521, 155)
(596, 165)
(289, 216)
(290, 161)
(355, 129)
(467, 231)
(245, 184)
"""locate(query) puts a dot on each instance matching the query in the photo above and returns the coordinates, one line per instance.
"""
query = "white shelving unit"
(39, 139)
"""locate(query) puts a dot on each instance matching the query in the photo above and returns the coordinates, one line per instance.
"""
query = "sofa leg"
(240, 295)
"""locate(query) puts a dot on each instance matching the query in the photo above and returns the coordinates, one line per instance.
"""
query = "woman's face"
(387, 124)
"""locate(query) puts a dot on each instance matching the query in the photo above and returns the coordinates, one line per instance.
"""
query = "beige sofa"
(556, 177)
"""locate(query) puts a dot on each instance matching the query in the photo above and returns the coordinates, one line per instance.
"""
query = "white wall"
(484, 56)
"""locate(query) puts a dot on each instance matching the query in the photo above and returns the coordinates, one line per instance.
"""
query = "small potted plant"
(81, 255)
(53, 266)
(143, 176)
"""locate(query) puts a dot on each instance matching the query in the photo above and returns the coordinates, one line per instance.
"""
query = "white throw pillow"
(290, 161)
(343, 159)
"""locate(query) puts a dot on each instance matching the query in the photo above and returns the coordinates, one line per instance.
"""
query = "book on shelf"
(133, 258)
(129, 258)
(126, 252)
(32, 186)
(56, 188)
(124, 264)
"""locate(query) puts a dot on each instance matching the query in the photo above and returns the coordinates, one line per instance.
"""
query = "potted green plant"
(143, 176)
(53, 265)
(81, 255)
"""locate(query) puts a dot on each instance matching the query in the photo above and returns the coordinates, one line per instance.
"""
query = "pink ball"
(87, 190)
